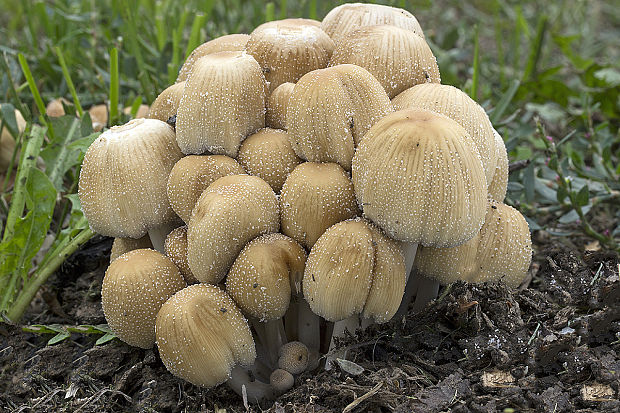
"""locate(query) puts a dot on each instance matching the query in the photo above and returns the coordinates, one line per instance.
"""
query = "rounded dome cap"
(281, 380)
(123, 245)
(277, 104)
(176, 249)
(228, 43)
(293, 357)
(167, 103)
(499, 184)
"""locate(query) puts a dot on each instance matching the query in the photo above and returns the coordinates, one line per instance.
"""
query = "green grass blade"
(194, 37)
(114, 86)
(270, 12)
(65, 72)
(32, 85)
(474, 80)
(535, 48)
(283, 12)
(312, 12)
(504, 101)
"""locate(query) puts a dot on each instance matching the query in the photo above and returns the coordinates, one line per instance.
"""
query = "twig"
(98, 395)
(360, 399)
(515, 166)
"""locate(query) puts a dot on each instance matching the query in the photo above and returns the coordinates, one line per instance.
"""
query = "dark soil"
(553, 346)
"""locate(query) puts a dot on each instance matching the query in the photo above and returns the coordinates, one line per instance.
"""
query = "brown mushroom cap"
(398, 58)
(134, 288)
(501, 251)
(419, 177)
(228, 43)
(293, 357)
(7, 143)
(288, 49)
(167, 103)
(202, 335)
(347, 17)
(176, 249)
(143, 111)
(99, 116)
(264, 274)
(458, 106)
(277, 104)
(281, 380)
(191, 175)
(130, 197)
(223, 102)
(122, 245)
(314, 197)
(354, 269)
(499, 184)
(55, 108)
(230, 212)
(331, 109)
(268, 155)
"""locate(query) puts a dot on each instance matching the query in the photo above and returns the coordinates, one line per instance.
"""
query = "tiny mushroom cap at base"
(277, 104)
(202, 335)
(134, 288)
(281, 380)
(167, 102)
(123, 245)
(98, 116)
(499, 184)
(293, 357)
(175, 248)
(7, 143)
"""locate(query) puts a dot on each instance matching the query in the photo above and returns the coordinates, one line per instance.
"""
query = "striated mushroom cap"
(398, 58)
(331, 109)
(458, 106)
(354, 269)
(176, 249)
(202, 335)
(501, 251)
(499, 184)
(135, 286)
(167, 103)
(122, 185)
(230, 212)
(347, 17)
(277, 104)
(223, 102)
(264, 274)
(288, 49)
(228, 43)
(122, 245)
(268, 155)
(314, 197)
(418, 175)
(293, 357)
(7, 143)
(191, 175)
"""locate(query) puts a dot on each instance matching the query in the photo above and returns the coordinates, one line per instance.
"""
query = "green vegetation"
(547, 73)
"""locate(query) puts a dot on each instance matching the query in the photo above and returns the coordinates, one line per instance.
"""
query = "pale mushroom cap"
(230, 212)
(175, 248)
(143, 111)
(7, 143)
(228, 43)
(223, 102)
(499, 184)
(134, 288)
(457, 105)
(331, 109)
(122, 245)
(122, 185)
(202, 335)
(419, 177)
(288, 49)
(354, 269)
(268, 154)
(398, 58)
(167, 103)
(281, 380)
(55, 108)
(264, 274)
(277, 104)
(293, 357)
(191, 175)
(314, 197)
(99, 116)
(347, 17)
(501, 251)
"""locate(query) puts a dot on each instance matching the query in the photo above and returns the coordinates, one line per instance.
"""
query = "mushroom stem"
(309, 328)
(410, 249)
(268, 333)
(427, 290)
(158, 235)
(350, 324)
(255, 390)
(291, 317)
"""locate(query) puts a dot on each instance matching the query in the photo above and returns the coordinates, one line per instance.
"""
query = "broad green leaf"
(58, 338)
(562, 193)
(7, 115)
(608, 75)
(583, 196)
(104, 339)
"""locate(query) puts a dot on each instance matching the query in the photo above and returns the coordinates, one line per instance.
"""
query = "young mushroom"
(277, 104)
(499, 184)
(175, 248)
(7, 142)
(123, 245)
(167, 102)
(293, 357)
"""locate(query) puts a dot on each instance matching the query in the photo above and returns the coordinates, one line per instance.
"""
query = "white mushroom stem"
(255, 390)
(309, 325)
(427, 290)
(269, 336)
(158, 235)
(410, 249)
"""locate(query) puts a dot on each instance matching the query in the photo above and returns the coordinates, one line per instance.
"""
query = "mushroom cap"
(281, 380)
(230, 212)
(501, 251)
(223, 102)
(175, 247)
(122, 245)
(499, 184)
(347, 17)
(458, 106)
(191, 175)
(228, 43)
(55, 108)
(288, 49)
(354, 269)
(277, 104)
(202, 335)
(314, 197)
(331, 109)
(167, 102)
(122, 185)
(418, 176)
(7, 143)
(398, 58)
(98, 116)
(268, 154)
(293, 357)
(142, 112)
(264, 274)
(134, 288)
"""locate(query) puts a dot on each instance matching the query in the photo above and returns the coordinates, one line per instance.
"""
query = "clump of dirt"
(553, 346)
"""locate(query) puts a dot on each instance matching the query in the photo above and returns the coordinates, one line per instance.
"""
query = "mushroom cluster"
(285, 182)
